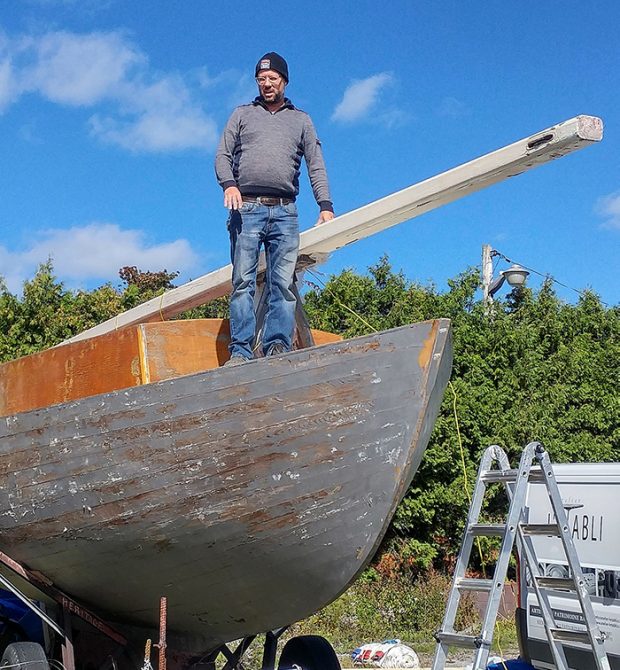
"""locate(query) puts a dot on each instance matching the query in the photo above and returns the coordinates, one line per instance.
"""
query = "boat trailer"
(67, 605)
(314, 652)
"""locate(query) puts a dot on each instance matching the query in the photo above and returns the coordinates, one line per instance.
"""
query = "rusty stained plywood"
(121, 359)
(51, 377)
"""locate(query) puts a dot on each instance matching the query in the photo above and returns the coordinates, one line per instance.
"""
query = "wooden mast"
(318, 242)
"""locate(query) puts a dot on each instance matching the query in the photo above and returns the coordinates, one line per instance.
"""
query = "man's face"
(271, 85)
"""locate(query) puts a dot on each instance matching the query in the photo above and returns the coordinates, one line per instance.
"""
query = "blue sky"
(110, 111)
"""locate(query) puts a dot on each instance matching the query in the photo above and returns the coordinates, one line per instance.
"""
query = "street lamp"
(515, 275)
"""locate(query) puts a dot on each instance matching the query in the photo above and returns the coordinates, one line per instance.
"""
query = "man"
(257, 164)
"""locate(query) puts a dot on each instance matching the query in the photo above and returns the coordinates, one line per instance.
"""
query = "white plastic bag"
(400, 656)
(386, 654)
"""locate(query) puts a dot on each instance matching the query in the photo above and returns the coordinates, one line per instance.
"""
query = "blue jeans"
(277, 229)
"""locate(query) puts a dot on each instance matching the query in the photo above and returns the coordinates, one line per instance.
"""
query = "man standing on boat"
(257, 164)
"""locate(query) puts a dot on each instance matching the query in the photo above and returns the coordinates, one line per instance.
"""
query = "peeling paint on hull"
(249, 496)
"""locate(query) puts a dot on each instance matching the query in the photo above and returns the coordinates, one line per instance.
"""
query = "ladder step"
(504, 476)
(563, 635)
(559, 583)
(487, 529)
(472, 584)
(536, 475)
(509, 476)
(550, 529)
(460, 640)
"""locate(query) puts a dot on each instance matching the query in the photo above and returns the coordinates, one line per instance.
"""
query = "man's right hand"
(232, 198)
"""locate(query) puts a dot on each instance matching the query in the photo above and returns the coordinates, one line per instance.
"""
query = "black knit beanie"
(272, 61)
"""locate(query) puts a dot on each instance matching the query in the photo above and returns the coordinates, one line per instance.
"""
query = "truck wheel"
(308, 652)
(25, 656)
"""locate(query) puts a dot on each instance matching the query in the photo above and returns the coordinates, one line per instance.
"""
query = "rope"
(337, 299)
(467, 491)
(465, 478)
(460, 441)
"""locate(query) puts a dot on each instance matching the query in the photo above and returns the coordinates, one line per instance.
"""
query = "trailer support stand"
(68, 656)
(270, 648)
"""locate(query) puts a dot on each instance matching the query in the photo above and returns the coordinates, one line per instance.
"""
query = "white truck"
(591, 496)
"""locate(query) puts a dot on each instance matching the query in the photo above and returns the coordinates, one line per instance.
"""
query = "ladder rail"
(597, 638)
(482, 642)
(513, 519)
(526, 545)
(543, 598)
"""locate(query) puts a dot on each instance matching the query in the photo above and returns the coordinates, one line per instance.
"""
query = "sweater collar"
(258, 101)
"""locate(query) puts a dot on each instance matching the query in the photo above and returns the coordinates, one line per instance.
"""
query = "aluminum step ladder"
(517, 528)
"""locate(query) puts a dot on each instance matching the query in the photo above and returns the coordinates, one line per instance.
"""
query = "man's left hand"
(324, 217)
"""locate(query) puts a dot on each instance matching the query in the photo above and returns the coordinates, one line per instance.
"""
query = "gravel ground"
(459, 660)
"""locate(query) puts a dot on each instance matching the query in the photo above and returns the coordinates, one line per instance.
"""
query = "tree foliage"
(47, 313)
(536, 368)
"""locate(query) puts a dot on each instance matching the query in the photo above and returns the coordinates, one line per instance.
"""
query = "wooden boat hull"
(249, 496)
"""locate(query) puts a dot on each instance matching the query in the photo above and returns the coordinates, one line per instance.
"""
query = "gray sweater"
(260, 152)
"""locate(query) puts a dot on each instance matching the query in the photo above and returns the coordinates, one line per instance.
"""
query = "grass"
(375, 610)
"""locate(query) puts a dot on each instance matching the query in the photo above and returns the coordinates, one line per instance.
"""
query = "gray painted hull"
(249, 496)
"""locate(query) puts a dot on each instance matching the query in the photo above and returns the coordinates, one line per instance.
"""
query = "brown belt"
(267, 200)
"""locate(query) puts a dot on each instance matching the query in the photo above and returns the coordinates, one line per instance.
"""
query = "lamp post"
(515, 275)
(487, 272)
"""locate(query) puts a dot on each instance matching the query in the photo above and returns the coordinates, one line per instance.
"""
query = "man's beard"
(278, 97)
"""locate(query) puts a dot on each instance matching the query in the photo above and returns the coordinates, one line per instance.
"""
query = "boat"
(248, 497)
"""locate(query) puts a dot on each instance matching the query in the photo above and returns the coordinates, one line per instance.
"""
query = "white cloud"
(12, 270)
(160, 116)
(609, 208)
(360, 97)
(7, 88)
(143, 110)
(28, 132)
(393, 118)
(87, 7)
(8, 92)
(77, 69)
(453, 108)
(94, 252)
(157, 132)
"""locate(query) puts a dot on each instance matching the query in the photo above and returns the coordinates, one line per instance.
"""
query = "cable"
(497, 632)
(458, 435)
(465, 479)
(495, 252)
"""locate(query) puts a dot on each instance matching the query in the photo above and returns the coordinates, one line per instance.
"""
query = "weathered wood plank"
(320, 241)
